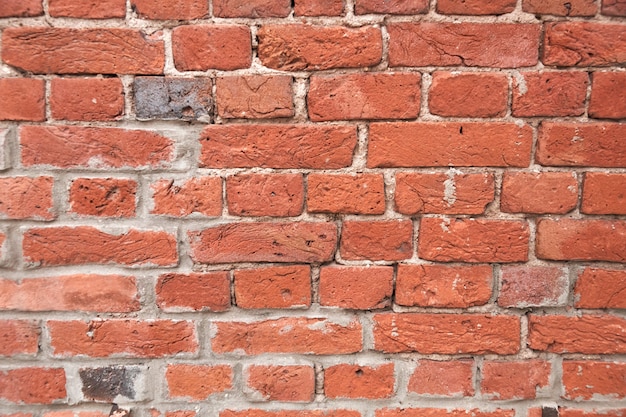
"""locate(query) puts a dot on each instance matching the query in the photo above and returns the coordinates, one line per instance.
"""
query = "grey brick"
(172, 98)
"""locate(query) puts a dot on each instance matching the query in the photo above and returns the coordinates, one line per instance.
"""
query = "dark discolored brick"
(173, 98)
(105, 384)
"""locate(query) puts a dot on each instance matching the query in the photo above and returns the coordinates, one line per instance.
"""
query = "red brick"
(498, 45)
(443, 286)
(18, 337)
(281, 383)
(318, 8)
(614, 7)
(86, 99)
(29, 415)
(476, 7)
(592, 380)
(79, 51)
(93, 147)
(290, 413)
(583, 44)
(608, 95)
(273, 287)
(251, 8)
(32, 385)
(569, 412)
(88, 245)
(87, 9)
(82, 292)
(197, 382)
(551, 93)
(122, 337)
(295, 47)
(600, 288)
(539, 192)
(364, 96)
(171, 9)
(443, 193)
(406, 145)
(346, 193)
(277, 146)
(180, 413)
(443, 378)
(255, 97)
(204, 47)
(287, 335)
(26, 198)
(604, 193)
(473, 240)
(408, 7)
(279, 195)
(576, 144)
(532, 286)
(69, 413)
(514, 380)
(103, 197)
(588, 240)
(22, 99)
(356, 381)
(588, 334)
(21, 8)
(390, 240)
(264, 242)
(446, 334)
(435, 412)
(561, 8)
(193, 292)
(202, 195)
(468, 94)
(359, 288)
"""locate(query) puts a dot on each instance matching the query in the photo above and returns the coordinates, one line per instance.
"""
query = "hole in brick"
(359, 372)
(549, 412)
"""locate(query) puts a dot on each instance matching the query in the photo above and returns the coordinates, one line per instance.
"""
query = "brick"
(346, 193)
(26, 198)
(111, 383)
(302, 335)
(467, 94)
(273, 287)
(388, 240)
(551, 93)
(614, 7)
(589, 240)
(88, 245)
(75, 51)
(21, 8)
(561, 8)
(264, 242)
(497, 45)
(434, 412)
(290, 413)
(604, 193)
(593, 380)
(318, 8)
(533, 286)
(281, 383)
(198, 382)
(296, 47)
(359, 288)
(608, 95)
(208, 291)
(473, 240)
(202, 195)
(539, 192)
(87, 9)
(364, 96)
(25, 415)
(277, 146)
(255, 97)
(173, 98)
(103, 197)
(122, 338)
(203, 47)
(280, 195)
(443, 193)
(406, 145)
(93, 147)
(32, 385)
(600, 288)
(357, 381)
(583, 44)
(476, 7)
(446, 334)
(408, 7)
(18, 337)
(70, 413)
(86, 99)
(171, 9)
(22, 99)
(251, 8)
(569, 412)
(588, 334)
(514, 379)
(442, 378)
(575, 144)
(443, 286)
(80, 292)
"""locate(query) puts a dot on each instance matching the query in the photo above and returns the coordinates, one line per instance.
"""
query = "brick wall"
(317, 208)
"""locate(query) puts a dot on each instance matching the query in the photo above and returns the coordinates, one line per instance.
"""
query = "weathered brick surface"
(22, 99)
(255, 97)
(173, 98)
(281, 382)
(87, 9)
(86, 99)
